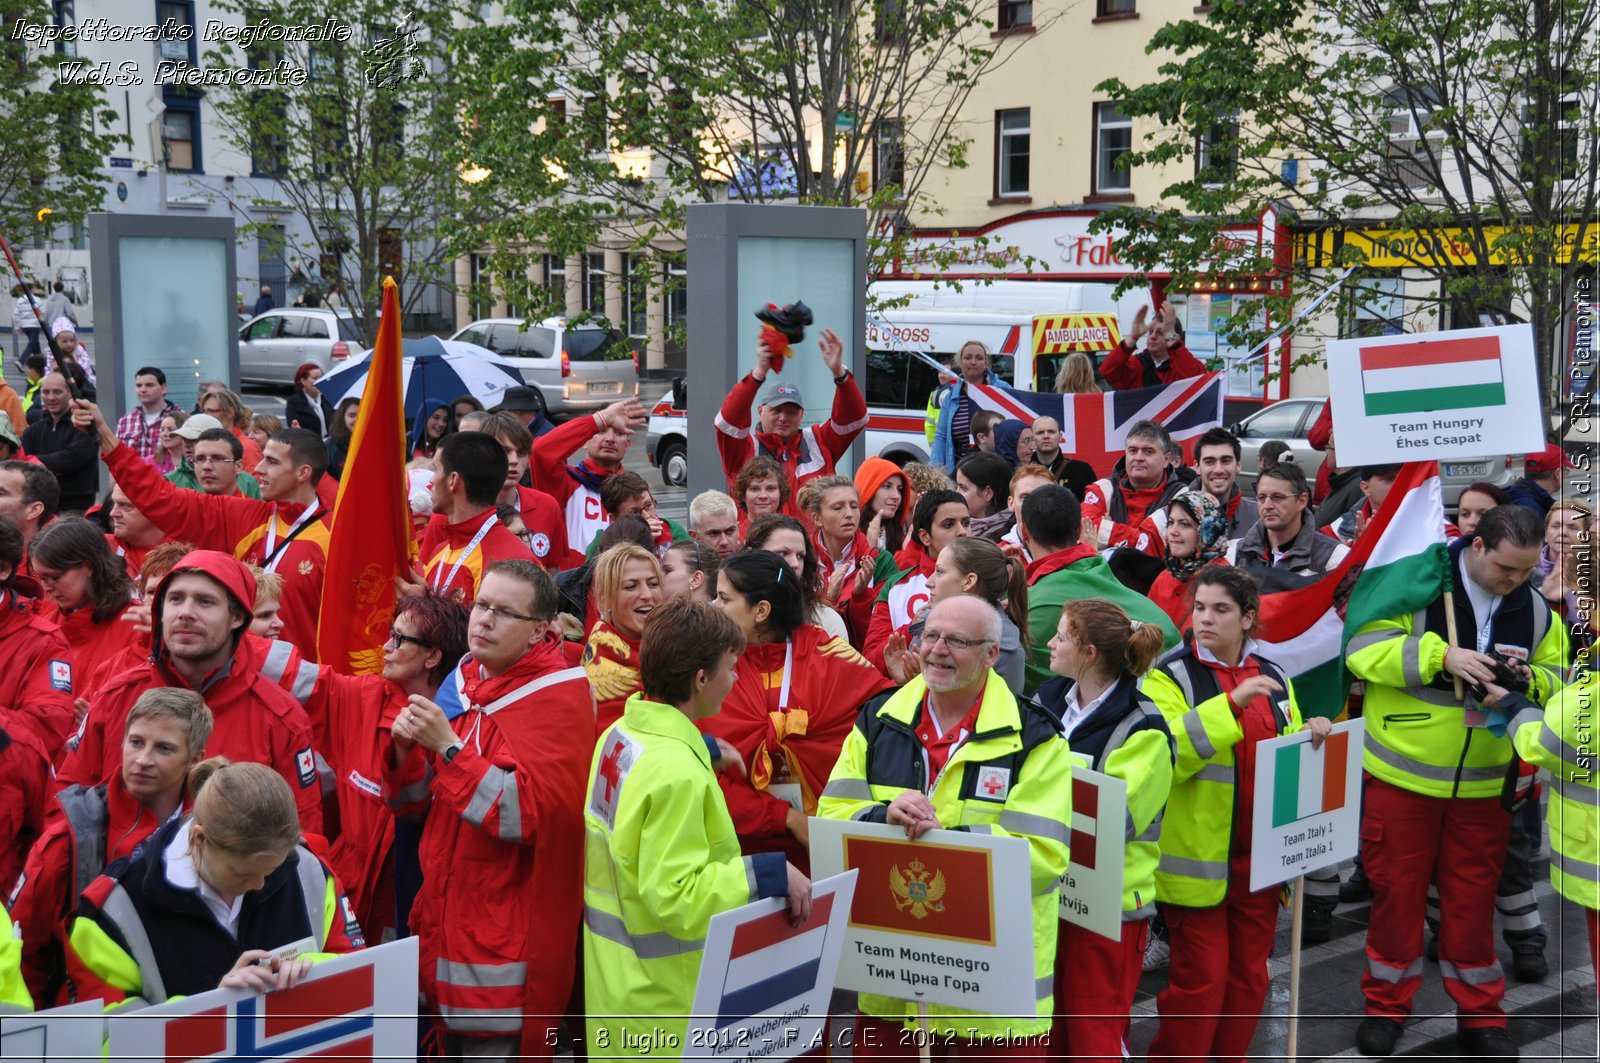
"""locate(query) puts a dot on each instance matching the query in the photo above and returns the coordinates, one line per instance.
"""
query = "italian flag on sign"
(1426, 377)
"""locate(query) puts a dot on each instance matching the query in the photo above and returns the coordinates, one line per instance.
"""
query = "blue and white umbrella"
(432, 368)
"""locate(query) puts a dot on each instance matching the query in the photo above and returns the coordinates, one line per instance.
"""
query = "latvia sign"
(1091, 892)
(946, 919)
(765, 985)
(358, 1006)
(1434, 396)
(1307, 812)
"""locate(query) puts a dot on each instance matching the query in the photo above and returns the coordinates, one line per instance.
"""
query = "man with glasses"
(219, 463)
(508, 742)
(465, 536)
(1284, 550)
(187, 474)
(954, 748)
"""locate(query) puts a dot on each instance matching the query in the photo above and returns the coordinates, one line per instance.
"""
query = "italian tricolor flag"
(1310, 781)
(1398, 566)
(1430, 375)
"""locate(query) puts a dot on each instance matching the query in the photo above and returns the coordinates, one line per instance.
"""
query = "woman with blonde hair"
(1076, 376)
(627, 588)
(210, 897)
(263, 426)
(952, 438)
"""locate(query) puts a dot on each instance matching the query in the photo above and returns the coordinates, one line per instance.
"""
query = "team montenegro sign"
(1434, 396)
(946, 919)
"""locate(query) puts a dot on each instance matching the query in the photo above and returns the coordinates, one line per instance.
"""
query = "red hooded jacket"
(93, 645)
(811, 452)
(36, 687)
(254, 718)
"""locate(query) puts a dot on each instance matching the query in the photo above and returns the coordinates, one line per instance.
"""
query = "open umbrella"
(432, 369)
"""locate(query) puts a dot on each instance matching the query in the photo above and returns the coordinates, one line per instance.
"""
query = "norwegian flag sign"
(359, 1006)
(1094, 427)
(1091, 891)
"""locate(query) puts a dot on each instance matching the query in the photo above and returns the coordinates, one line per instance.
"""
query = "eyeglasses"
(1276, 500)
(400, 640)
(498, 613)
(212, 459)
(930, 639)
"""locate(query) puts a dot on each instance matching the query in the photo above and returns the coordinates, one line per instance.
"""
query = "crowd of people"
(591, 729)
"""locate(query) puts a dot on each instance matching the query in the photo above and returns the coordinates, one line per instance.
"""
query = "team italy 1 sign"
(1437, 395)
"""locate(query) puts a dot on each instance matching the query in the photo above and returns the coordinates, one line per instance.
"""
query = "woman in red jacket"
(849, 567)
(761, 488)
(885, 495)
(90, 588)
(1196, 535)
(797, 695)
(940, 517)
(627, 586)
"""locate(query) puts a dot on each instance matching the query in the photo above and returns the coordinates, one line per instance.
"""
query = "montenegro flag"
(371, 539)
(938, 891)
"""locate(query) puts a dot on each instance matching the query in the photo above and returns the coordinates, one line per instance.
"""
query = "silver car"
(273, 344)
(1291, 419)
(574, 369)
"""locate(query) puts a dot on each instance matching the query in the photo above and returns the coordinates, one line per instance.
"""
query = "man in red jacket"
(284, 531)
(502, 851)
(465, 536)
(36, 682)
(1163, 360)
(802, 452)
(132, 535)
(200, 613)
(1142, 483)
(543, 522)
(604, 437)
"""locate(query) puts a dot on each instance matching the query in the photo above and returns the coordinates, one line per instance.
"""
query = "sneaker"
(1316, 926)
(1356, 889)
(1157, 954)
(1377, 1035)
(1528, 963)
(1491, 1041)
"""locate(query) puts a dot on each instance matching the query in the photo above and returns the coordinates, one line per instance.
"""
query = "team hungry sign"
(1435, 395)
(946, 919)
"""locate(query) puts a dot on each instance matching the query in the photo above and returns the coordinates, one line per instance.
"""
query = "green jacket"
(1560, 738)
(883, 757)
(183, 476)
(1089, 577)
(660, 859)
(678, 535)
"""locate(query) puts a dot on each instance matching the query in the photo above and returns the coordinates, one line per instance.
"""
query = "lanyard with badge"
(275, 549)
(440, 584)
(789, 792)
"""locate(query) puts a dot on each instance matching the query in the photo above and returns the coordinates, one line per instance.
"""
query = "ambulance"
(1029, 328)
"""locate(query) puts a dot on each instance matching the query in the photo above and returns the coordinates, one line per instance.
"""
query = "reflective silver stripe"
(1394, 975)
(497, 784)
(1523, 719)
(480, 1020)
(1401, 762)
(750, 877)
(305, 681)
(1211, 870)
(1520, 920)
(1553, 743)
(325, 775)
(276, 662)
(1431, 696)
(983, 828)
(645, 946)
(1043, 987)
(727, 428)
(1216, 773)
(118, 907)
(862, 814)
(314, 889)
(1038, 826)
(1372, 638)
(1411, 661)
(1147, 911)
(1152, 833)
(480, 975)
(417, 791)
(1514, 901)
(1179, 672)
(848, 789)
(1576, 792)
(1317, 886)
(1472, 975)
(1574, 866)
(1195, 728)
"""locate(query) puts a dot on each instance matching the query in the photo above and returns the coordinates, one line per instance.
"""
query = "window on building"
(1108, 8)
(890, 149)
(677, 291)
(175, 19)
(267, 155)
(1415, 145)
(66, 17)
(1113, 138)
(1375, 306)
(480, 294)
(1216, 157)
(555, 281)
(327, 133)
(889, 21)
(555, 117)
(1551, 134)
(1015, 14)
(1011, 152)
(594, 283)
(388, 127)
(635, 295)
(180, 133)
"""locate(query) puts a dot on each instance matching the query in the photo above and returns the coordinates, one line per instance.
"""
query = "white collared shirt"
(182, 874)
(1075, 712)
(1484, 604)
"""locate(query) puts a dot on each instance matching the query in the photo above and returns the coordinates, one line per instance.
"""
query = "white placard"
(359, 1006)
(1091, 892)
(946, 919)
(764, 985)
(74, 1031)
(1435, 395)
(1307, 812)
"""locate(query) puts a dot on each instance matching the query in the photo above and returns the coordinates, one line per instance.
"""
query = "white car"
(273, 344)
(574, 369)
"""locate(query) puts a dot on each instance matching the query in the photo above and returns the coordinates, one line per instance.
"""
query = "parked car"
(1291, 419)
(666, 443)
(272, 344)
(575, 369)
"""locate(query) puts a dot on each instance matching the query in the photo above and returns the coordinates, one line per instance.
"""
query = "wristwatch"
(450, 752)
(842, 377)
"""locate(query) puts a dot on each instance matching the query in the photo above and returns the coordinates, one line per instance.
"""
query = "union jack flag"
(1094, 427)
(329, 1018)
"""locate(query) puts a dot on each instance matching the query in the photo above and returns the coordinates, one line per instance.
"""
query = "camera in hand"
(1504, 676)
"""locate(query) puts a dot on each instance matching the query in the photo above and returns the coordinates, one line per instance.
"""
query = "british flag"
(1094, 427)
(329, 1018)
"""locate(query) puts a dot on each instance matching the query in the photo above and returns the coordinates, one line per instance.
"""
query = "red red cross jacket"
(36, 688)
(811, 452)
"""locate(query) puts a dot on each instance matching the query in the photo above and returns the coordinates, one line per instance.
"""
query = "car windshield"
(593, 344)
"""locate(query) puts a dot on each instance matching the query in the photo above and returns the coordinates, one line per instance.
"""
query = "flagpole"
(1294, 967)
(924, 1050)
(1450, 634)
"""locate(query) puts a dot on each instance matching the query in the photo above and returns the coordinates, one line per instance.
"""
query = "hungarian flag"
(1397, 566)
(1094, 427)
(1429, 375)
(371, 538)
(941, 891)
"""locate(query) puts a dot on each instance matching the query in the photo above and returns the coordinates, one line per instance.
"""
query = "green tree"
(53, 126)
(1472, 121)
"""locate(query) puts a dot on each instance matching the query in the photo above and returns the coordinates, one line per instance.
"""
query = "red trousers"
(1460, 842)
(882, 1039)
(1096, 979)
(1217, 982)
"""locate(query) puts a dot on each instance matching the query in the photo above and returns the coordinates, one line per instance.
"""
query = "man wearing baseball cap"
(1537, 489)
(802, 452)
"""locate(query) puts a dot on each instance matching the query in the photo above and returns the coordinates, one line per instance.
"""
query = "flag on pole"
(371, 538)
(1094, 427)
(1309, 781)
(1397, 566)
